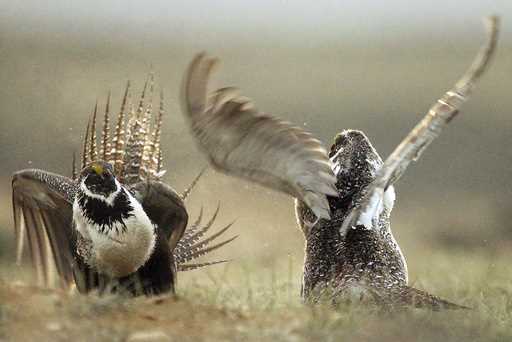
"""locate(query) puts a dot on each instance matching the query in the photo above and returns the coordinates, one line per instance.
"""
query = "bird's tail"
(195, 243)
(410, 296)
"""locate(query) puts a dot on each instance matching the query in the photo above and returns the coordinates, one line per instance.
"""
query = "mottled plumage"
(352, 254)
(47, 207)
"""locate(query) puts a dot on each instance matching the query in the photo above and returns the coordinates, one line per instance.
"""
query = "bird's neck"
(105, 214)
(121, 236)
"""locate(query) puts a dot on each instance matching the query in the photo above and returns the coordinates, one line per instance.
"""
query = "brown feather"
(105, 134)
(119, 136)
(93, 152)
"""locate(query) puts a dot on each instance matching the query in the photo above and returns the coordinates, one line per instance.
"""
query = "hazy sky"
(264, 19)
(58, 57)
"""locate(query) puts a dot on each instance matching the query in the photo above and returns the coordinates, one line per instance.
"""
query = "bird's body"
(362, 257)
(116, 235)
(350, 250)
(116, 226)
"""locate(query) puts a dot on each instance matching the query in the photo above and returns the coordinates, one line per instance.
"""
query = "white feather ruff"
(121, 250)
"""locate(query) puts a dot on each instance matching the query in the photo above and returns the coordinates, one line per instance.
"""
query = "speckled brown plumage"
(363, 264)
(350, 250)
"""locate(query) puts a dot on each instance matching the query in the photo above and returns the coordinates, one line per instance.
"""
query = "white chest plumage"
(122, 248)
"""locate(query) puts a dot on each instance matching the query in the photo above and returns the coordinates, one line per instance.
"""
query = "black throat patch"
(106, 217)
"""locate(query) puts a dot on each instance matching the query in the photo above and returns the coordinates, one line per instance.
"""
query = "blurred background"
(326, 65)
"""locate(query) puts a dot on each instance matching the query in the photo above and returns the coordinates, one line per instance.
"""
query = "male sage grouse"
(351, 255)
(115, 226)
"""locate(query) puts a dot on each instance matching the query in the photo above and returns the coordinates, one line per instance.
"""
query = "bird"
(115, 226)
(351, 255)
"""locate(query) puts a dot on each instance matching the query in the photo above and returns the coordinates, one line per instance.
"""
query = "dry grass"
(244, 302)
(452, 215)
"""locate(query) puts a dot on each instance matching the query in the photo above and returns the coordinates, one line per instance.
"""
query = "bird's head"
(97, 180)
(355, 162)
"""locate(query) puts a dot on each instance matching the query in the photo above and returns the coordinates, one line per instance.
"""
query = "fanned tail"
(197, 232)
(135, 142)
(134, 147)
(192, 246)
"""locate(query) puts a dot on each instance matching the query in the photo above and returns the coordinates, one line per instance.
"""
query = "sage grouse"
(115, 226)
(351, 255)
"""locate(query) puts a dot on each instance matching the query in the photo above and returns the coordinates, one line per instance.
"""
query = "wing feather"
(241, 141)
(429, 128)
(42, 208)
(164, 207)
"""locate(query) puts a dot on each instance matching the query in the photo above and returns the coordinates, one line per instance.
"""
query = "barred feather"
(205, 251)
(194, 238)
(105, 134)
(134, 150)
(191, 246)
(145, 171)
(135, 142)
(188, 190)
(119, 138)
(157, 132)
(185, 240)
(191, 230)
(93, 152)
(190, 267)
(85, 149)
(204, 243)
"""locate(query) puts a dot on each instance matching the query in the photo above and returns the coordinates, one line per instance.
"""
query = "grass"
(242, 302)
(452, 217)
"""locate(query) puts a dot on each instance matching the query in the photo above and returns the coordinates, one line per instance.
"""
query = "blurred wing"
(410, 149)
(164, 207)
(241, 141)
(42, 205)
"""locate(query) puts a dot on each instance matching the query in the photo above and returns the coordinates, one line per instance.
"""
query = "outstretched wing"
(164, 207)
(429, 128)
(42, 205)
(241, 141)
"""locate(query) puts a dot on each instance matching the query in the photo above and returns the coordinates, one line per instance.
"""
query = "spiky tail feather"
(134, 148)
(189, 189)
(191, 246)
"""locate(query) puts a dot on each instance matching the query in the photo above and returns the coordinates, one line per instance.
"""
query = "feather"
(190, 267)
(203, 252)
(85, 150)
(93, 152)
(157, 131)
(145, 171)
(105, 134)
(119, 136)
(135, 142)
(187, 191)
(241, 141)
(426, 131)
(204, 243)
